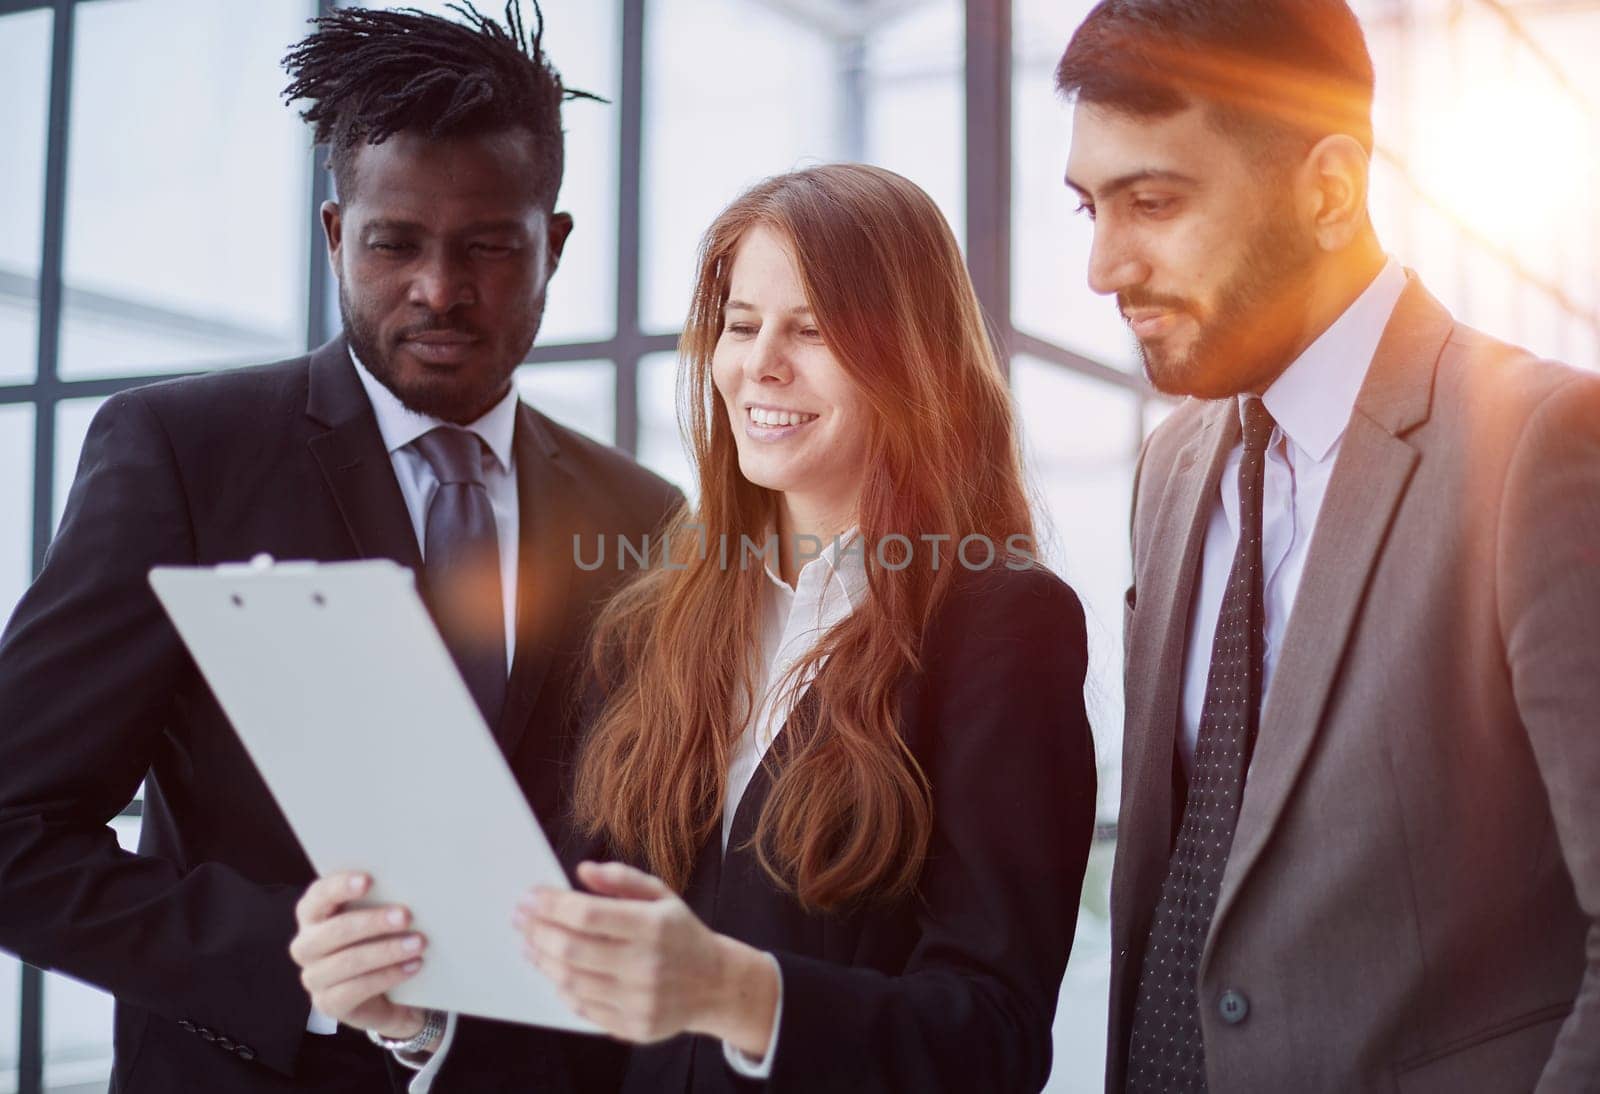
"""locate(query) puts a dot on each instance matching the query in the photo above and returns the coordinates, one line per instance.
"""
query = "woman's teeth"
(778, 417)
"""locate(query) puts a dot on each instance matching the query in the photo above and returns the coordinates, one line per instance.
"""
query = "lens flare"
(1514, 163)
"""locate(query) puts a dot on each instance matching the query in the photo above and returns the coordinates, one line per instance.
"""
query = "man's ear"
(556, 233)
(333, 230)
(1335, 175)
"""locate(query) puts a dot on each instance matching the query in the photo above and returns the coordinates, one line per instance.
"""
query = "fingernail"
(357, 883)
(411, 966)
(413, 943)
(397, 917)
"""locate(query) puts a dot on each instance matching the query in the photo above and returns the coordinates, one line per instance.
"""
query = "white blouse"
(792, 622)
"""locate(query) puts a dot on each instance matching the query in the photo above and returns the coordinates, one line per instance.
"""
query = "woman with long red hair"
(838, 788)
(857, 789)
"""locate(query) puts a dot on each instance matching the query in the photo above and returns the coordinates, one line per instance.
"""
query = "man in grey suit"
(1360, 836)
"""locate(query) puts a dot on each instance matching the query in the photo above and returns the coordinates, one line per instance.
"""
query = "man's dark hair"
(1273, 67)
(372, 74)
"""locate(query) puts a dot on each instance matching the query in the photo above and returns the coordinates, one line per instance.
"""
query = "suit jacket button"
(1233, 1006)
(246, 1053)
(206, 1034)
(186, 1025)
(225, 1043)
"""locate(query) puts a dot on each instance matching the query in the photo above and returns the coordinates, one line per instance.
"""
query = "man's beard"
(1239, 345)
(461, 397)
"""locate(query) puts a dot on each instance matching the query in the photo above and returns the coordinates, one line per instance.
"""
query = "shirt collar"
(399, 425)
(841, 569)
(1313, 400)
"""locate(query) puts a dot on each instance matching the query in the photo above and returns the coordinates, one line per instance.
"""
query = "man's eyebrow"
(390, 224)
(503, 224)
(1122, 182)
(395, 224)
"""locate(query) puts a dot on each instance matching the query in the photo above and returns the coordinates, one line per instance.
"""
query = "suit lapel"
(1158, 640)
(544, 569)
(360, 475)
(1374, 467)
(354, 462)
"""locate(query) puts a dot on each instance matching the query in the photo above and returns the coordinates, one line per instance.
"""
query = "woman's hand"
(633, 959)
(349, 958)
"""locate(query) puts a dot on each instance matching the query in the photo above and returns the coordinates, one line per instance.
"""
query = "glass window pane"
(578, 394)
(186, 233)
(25, 84)
(734, 92)
(916, 102)
(1081, 439)
(16, 504)
(10, 1015)
(72, 425)
(77, 1034)
(660, 444)
(1049, 244)
(1081, 1008)
(794, 69)
(582, 40)
(77, 1017)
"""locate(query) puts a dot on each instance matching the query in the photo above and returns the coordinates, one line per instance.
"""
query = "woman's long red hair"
(849, 816)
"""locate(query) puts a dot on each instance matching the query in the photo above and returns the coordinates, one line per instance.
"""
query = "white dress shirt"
(1311, 402)
(398, 425)
(792, 621)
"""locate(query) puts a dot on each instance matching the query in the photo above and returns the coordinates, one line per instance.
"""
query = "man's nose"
(442, 283)
(1114, 264)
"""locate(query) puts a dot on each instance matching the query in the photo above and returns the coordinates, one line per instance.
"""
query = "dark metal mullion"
(609, 348)
(634, 342)
(852, 115)
(47, 383)
(630, 341)
(988, 163)
(64, 390)
(47, 386)
(317, 272)
(1051, 353)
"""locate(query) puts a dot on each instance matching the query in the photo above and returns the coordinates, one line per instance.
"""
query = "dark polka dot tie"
(1167, 1051)
(461, 563)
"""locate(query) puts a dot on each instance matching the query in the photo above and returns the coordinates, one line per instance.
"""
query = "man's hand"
(349, 958)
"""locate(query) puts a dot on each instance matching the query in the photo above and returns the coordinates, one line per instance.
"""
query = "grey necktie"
(1167, 1051)
(461, 560)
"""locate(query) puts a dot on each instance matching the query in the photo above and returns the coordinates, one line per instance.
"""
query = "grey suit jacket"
(1412, 902)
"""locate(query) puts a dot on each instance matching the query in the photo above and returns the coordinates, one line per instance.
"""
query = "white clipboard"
(345, 697)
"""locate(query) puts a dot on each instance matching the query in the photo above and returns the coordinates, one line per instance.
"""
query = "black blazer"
(953, 989)
(97, 693)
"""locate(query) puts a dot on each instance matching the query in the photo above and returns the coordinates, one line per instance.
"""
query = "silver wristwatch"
(433, 1024)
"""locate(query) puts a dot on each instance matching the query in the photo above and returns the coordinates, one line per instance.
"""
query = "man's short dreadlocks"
(371, 74)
